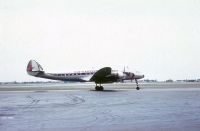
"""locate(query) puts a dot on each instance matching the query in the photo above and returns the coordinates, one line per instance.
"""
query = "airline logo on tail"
(29, 68)
(34, 68)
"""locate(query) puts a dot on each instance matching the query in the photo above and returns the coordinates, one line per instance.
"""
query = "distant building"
(192, 80)
(147, 80)
(179, 80)
(170, 80)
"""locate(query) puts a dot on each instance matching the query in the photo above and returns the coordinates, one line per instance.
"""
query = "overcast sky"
(159, 38)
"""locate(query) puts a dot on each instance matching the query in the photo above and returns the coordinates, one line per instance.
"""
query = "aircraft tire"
(99, 88)
(96, 88)
(137, 88)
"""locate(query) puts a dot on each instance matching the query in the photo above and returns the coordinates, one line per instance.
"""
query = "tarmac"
(77, 107)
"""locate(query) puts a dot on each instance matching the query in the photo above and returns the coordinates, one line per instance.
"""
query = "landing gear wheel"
(99, 88)
(96, 88)
(137, 88)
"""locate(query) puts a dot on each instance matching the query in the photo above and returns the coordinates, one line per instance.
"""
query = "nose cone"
(141, 76)
(138, 76)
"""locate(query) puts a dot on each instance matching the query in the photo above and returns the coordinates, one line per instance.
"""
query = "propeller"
(132, 76)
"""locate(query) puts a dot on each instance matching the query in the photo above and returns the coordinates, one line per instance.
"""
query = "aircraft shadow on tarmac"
(107, 90)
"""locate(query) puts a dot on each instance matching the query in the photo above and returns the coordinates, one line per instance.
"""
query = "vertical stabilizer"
(34, 68)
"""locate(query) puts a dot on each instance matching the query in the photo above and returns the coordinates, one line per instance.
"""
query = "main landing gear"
(99, 88)
(137, 88)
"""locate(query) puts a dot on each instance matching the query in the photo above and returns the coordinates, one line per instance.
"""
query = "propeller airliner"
(101, 76)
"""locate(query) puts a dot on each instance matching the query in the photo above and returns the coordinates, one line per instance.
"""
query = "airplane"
(101, 76)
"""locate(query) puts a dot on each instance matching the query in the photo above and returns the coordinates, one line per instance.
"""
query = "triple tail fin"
(34, 68)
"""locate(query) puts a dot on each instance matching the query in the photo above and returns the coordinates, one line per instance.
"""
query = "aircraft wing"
(104, 75)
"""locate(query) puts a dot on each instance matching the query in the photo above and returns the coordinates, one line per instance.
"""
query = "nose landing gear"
(137, 88)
